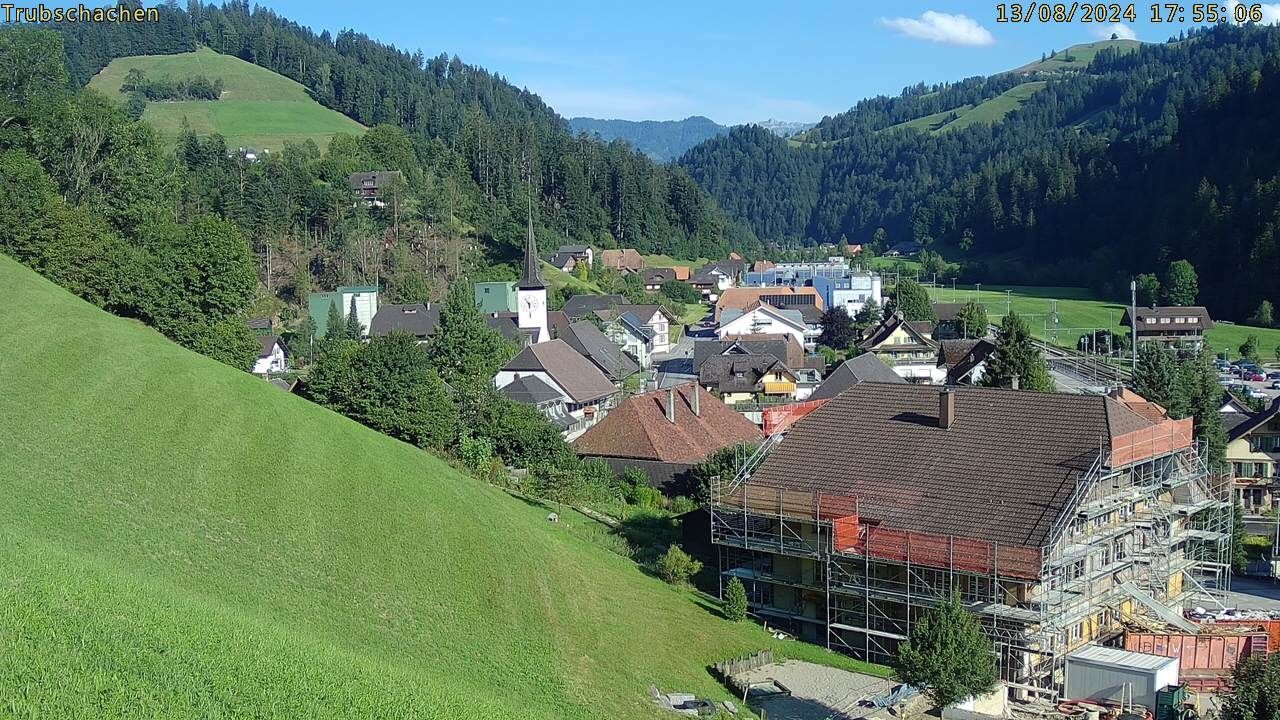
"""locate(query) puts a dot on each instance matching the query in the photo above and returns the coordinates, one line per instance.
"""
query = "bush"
(681, 292)
(476, 453)
(735, 600)
(677, 566)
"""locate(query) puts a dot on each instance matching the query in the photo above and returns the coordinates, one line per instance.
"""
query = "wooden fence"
(727, 669)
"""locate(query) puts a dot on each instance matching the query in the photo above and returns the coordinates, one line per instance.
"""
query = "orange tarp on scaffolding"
(780, 418)
(1159, 439)
(851, 535)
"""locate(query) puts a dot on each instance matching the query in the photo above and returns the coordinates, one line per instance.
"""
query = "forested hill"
(1059, 138)
(464, 122)
(662, 140)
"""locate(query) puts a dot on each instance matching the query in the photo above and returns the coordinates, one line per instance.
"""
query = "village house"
(625, 260)
(1171, 326)
(1253, 452)
(364, 298)
(496, 296)
(782, 298)
(783, 347)
(597, 347)
(711, 281)
(568, 257)
(579, 307)
(371, 188)
(653, 278)
(665, 434)
(418, 319)
(760, 318)
(1053, 516)
(907, 347)
(863, 368)
(531, 390)
(587, 392)
(629, 333)
(272, 357)
(656, 319)
(964, 361)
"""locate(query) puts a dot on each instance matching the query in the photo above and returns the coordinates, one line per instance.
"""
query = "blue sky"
(731, 61)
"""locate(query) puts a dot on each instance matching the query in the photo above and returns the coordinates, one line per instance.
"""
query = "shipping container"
(1105, 673)
(1199, 652)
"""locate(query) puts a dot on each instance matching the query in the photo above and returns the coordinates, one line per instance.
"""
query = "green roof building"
(366, 300)
(496, 297)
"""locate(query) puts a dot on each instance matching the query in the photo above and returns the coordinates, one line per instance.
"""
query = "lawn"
(559, 278)
(989, 111)
(258, 108)
(668, 261)
(1079, 312)
(180, 539)
(1081, 56)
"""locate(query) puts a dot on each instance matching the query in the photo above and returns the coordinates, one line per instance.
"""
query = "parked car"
(1256, 394)
(1273, 375)
(1275, 385)
(1253, 376)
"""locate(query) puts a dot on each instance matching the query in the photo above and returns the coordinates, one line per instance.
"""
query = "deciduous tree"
(838, 330)
(1181, 285)
(912, 300)
(971, 320)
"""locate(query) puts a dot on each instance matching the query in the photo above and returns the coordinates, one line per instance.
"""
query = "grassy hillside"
(989, 111)
(1079, 312)
(258, 108)
(179, 539)
(1078, 57)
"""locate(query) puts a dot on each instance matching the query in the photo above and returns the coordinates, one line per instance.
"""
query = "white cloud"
(1120, 30)
(1270, 12)
(943, 28)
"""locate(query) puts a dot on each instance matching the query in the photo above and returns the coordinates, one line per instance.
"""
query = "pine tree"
(1156, 378)
(948, 655)
(335, 326)
(735, 600)
(464, 347)
(1016, 356)
(354, 329)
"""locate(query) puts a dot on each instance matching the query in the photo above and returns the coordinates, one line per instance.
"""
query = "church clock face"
(530, 303)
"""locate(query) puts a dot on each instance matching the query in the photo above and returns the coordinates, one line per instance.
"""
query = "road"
(1248, 593)
(675, 366)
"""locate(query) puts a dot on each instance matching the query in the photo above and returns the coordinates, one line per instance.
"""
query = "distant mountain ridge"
(667, 140)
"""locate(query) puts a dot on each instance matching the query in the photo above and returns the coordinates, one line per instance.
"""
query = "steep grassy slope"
(181, 539)
(258, 108)
(1078, 57)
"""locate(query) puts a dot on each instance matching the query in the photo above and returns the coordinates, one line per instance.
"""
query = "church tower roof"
(531, 279)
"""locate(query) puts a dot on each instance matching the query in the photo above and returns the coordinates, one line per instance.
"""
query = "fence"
(1159, 439)
(729, 668)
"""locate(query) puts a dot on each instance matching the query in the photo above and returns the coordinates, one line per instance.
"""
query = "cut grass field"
(1080, 312)
(992, 110)
(1080, 56)
(258, 108)
(559, 278)
(180, 539)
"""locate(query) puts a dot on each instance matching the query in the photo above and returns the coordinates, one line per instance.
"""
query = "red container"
(1199, 652)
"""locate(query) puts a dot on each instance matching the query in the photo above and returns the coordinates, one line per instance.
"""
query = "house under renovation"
(1055, 518)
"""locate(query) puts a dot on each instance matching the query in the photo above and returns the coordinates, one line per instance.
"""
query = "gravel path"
(817, 692)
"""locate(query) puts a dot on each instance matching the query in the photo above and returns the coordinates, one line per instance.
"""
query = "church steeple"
(531, 279)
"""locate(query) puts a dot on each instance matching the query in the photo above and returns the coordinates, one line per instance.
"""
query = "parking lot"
(1257, 382)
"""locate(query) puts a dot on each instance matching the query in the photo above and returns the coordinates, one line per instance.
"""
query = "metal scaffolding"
(1146, 533)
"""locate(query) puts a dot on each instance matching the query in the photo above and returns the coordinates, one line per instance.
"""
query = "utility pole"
(1008, 305)
(1133, 322)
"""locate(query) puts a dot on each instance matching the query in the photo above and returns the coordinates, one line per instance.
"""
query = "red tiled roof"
(638, 428)
(742, 298)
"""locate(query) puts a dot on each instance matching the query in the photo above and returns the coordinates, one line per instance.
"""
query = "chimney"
(671, 405)
(1015, 382)
(946, 408)
(694, 403)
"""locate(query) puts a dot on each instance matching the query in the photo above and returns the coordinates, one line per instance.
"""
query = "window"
(1077, 632)
(1164, 321)
(1180, 321)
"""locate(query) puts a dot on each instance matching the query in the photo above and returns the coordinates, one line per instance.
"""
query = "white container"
(1103, 673)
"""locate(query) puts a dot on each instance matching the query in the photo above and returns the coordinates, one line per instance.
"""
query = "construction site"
(1060, 521)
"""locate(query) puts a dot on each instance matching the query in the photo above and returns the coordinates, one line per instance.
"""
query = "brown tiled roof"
(946, 312)
(582, 380)
(638, 428)
(624, 259)
(1003, 472)
(742, 298)
(722, 372)
(657, 276)
(682, 272)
